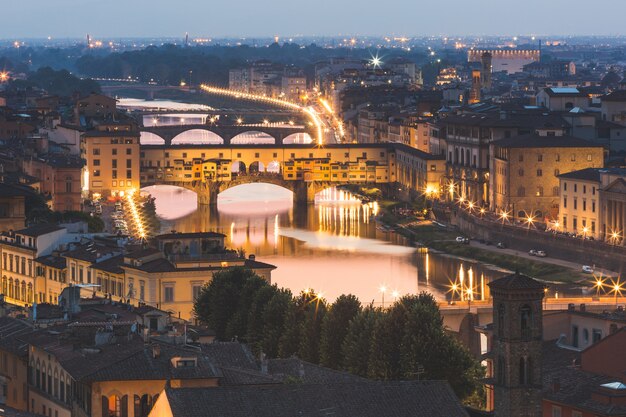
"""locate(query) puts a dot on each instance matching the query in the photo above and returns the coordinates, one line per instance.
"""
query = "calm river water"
(333, 247)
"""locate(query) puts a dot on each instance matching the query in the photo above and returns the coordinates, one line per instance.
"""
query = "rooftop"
(516, 281)
(534, 140)
(363, 399)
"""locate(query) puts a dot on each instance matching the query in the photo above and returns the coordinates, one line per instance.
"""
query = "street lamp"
(599, 285)
(615, 237)
(383, 290)
(616, 288)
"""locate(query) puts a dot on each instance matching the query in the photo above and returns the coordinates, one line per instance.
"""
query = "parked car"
(532, 252)
(587, 269)
(501, 245)
(541, 254)
(460, 239)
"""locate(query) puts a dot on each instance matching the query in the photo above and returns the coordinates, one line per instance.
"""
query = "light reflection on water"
(334, 248)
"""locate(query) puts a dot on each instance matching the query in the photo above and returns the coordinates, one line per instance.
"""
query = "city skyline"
(74, 19)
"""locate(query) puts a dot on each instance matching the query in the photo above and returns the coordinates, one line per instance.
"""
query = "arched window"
(524, 371)
(143, 405)
(500, 370)
(526, 321)
(43, 377)
(68, 185)
(38, 376)
(115, 406)
(501, 320)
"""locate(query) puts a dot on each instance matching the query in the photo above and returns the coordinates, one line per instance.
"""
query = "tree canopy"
(406, 341)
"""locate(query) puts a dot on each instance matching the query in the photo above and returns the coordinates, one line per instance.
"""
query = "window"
(96, 151)
(521, 157)
(96, 162)
(114, 174)
(575, 336)
(129, 163)
(564, 222)
(501, 317)
(96, 172)
(596, 335)
(114, 151)
(555, 190)
(68, 184)
(114, 163)
(584, 205)
(564, 186)
(573, 157)
(168, 294)
(556, 411)
(539, 157)
(521, 172)
(526, 322)
(593, 206)
(557, 157)
(575, 203)
(584, 189)
(557, 172)
(195, 291)
(129, 174)
(539, 173)
(575, 224)
(129, 151)
(589, 157)
(524, 371)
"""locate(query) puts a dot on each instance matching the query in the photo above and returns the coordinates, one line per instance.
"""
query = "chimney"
(156, 351)
(556, 385)
(264, 363)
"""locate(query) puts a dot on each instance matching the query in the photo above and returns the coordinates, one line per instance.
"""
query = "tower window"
(526, 321)
(524, 371)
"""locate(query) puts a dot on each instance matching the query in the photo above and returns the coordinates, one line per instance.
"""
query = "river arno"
(333, 247)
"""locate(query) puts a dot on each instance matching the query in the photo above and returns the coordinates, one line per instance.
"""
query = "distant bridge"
(149, 89)
(226, 132)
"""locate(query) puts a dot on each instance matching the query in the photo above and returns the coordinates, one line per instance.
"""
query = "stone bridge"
(226, 132)
(148, 89)
(303, 192)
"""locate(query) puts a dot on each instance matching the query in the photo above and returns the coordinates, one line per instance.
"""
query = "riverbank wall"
(587, 252)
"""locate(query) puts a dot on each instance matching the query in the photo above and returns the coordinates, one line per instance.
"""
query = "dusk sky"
(215, 18)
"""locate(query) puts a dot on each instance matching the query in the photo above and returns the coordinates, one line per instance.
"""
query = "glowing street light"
(482, 211)
(504, 216)
(616, 288)
(599, 285)
(395, 294)
(615, 236)
(4, 76)
(383, 290)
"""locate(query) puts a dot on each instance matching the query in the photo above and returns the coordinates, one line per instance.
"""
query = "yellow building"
(525, 172)
(19, 251)
(579, 211)
(111, 155)
(13, 363)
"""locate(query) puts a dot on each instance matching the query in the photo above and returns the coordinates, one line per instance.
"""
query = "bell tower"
(516, 348)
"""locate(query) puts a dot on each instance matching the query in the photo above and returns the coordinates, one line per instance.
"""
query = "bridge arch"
(197, 137)
(298, 138)
(149, 138)
(273, 167)
(238, 167)
(256, 166)
(253, 137)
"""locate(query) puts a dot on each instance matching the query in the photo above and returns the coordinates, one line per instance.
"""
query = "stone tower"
(475, 89)
(516, 348)
(485, 71)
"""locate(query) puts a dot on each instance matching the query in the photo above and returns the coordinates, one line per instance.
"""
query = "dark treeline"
(405, 341)
(169, 64)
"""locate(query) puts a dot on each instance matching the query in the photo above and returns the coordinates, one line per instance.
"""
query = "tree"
(256, 322)
(292, 332)
(384, 359)
(357, 343)
(219, 300)
(311, 328)
(238, 324)
(335, 328)
(274, 316)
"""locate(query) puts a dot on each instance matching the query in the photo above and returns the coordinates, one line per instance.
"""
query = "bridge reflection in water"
(332, 247)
